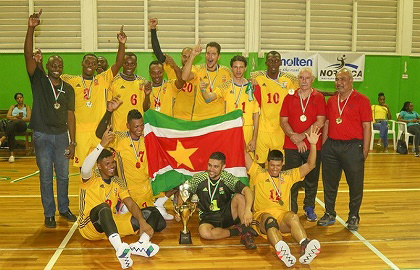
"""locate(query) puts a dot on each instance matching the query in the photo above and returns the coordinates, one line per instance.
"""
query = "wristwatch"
(73, 143)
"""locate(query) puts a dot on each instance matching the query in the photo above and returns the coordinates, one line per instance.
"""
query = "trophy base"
(185, 238)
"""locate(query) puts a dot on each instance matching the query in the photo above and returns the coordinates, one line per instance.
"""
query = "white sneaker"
(123, 254)
(312, 249)
(165, 214)
(12, 159)
(283, 252)
(144, 249)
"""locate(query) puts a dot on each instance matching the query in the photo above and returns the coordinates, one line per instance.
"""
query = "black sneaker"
(248, 241)
(353, 223)
(49, 222)
(69, 216)
(326, 220)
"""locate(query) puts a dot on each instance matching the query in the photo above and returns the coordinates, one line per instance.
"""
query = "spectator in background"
(102, 64)
(412, 118)
(381, 113)
(17, 116)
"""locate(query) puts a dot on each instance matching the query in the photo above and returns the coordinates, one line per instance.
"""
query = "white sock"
(144, 238)
(301, 241)
(115, 240)
(161, 201)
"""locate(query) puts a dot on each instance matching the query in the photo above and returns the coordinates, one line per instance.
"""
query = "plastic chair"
(402, 128)
(391, 130)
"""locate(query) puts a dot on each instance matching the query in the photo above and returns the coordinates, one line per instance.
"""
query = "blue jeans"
(383, 131)
(49, 151)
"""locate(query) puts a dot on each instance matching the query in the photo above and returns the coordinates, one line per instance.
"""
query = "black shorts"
(220, 219)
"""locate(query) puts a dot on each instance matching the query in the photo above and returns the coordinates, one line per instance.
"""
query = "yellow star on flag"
(182, 155)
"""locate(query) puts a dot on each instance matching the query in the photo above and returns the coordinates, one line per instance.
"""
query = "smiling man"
(91, 94)
(224, 201)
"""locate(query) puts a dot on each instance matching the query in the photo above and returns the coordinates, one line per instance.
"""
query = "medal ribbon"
(211, 195)
(275, 187)
(307, 102)
(340, 110)
(234, 93)
(54, 90)
(215, 77)
(134, 147)
(157, 99)
(276, 80)
(90, 87)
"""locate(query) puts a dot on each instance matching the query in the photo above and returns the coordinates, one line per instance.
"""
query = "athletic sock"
(161, 201)
(301, 241)
(115, 240)
(144, 238)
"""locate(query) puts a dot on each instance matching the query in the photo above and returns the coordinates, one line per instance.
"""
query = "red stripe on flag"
(230, 142)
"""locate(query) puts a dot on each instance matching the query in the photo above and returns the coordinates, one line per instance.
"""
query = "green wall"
(382, 74)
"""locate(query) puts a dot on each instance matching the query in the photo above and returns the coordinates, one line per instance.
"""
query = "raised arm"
(122, 39)
(155, 42)
(111, 106)
(207, 96)
(186, 70)
(29, 41)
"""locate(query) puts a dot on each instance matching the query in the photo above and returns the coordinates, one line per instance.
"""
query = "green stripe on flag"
(160, 120)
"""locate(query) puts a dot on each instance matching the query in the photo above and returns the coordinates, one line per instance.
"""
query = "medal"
(234, 93)
(281, 202)
(339, 120)
(88, 91)
(211, 207)
(157, 99)
(278, 190)
(57, 105)
(138, 165)
(303, 118)
(211, 195)
(89, 104)
(215, 77)
(136, 151)
(157, 108)
(291, 91)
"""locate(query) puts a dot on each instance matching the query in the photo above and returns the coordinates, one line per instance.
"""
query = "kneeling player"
(101, 196)
(272, 195)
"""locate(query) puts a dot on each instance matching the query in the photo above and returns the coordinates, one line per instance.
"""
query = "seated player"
(224, 201)
(101, 197)
(272, 195)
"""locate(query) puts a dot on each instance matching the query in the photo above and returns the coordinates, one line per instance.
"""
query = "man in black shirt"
(223, 202)
(52, 117)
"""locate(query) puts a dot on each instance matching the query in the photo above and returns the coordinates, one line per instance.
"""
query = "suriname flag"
(177, 149)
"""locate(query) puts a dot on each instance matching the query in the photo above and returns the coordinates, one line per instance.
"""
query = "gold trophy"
(185, 211)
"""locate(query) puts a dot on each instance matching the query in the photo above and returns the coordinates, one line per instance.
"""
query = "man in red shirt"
(301, 110)
(345, 147)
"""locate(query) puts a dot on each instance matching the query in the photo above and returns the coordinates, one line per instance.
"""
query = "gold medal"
(57, 105)
(281, 202)
(157, 108)
(338, 120)
(291, 91)
(211, 207)
(89, 104)
(303, 118)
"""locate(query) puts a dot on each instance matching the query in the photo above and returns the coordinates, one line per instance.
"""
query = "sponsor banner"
(292, 62)
(330, 63)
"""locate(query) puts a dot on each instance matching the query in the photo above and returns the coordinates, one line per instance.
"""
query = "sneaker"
(144, 249)
(243, 229)
(49, 222)
(379, 143)
(326, 220)
(248, 240)
(123, 254)
(309, 250)
(164, 214)
(415, 154)
(69, 216)
(12, 159)
(353, 223)
(310, 214)
(283, 252)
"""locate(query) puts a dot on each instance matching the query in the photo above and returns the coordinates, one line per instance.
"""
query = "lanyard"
(277, 190)
(276, 80)
(134, 147)
(307, 102)
(238, 98)
(157, 99)
(215, 77)
(340, 110)
(90, 87)
(54, 91)
(211, 195)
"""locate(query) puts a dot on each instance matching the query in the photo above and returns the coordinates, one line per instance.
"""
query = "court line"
(60, 249)
(24, 177)
(364, 241)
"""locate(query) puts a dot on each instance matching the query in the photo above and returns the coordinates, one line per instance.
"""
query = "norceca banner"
(292, 62)
(330, 63)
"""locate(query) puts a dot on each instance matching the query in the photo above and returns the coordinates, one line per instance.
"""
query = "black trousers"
(337, 156)
(295, 159)
(12, 129)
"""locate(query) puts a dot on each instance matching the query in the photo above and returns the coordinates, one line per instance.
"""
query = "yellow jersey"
(170, 72)
(379, 112)
(236, 98)
(162, 97)
(270, 95)
(132, 95)
(202, 109)
(266, 196)
(90, 99)
(186, 98)
(96, 191)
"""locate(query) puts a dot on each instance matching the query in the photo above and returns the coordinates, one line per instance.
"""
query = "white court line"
(29, 196)
(364, 241)
(60, 249)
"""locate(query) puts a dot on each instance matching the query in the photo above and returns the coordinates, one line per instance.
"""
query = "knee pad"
(154, 218)
(97, 210)
(271, 223)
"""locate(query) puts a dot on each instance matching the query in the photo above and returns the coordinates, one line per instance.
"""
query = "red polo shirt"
(355, 113)
(293, 110)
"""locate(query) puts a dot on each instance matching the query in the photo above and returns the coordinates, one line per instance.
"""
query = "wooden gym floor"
(388, 237)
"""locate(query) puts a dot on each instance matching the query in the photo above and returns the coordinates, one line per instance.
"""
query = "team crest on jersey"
(96, 82)
(221, 191)
(224, 78)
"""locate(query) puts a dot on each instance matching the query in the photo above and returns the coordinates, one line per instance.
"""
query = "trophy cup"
(185, 211)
